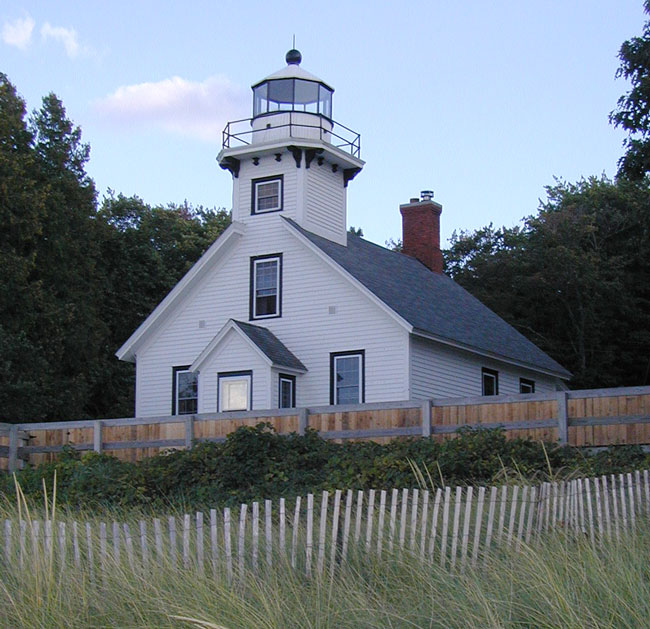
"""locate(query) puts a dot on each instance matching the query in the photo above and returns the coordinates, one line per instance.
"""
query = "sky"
(484, 102)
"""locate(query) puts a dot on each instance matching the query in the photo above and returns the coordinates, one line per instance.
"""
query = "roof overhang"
(564, 375)
(218, 249)
(213, 345)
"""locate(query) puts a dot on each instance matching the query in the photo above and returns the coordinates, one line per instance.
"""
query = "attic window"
(267, 195)
(490, 384)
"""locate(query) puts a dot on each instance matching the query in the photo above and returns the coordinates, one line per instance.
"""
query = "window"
(526, 386)
(267, 195)
(490, 381)
(184, 391)
(235, 391)
(266, 287)
(287, 391)
(347, 381)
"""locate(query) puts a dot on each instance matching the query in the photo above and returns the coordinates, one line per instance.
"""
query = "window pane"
(234, 394)
(306, 92)
(489, 384)
(260, 103)
(348, 383)
(325, 102)
(268, 196)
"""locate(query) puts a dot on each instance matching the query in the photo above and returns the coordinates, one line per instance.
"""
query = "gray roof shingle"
(431, 302)
(270, 345)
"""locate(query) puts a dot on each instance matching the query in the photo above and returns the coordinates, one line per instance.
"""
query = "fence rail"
(598, 417)
(452, 527)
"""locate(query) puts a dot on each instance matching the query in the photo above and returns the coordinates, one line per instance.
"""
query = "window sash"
(235, 392)
(348, 383)
(526, 386)
(268, 196)
(266, 285)
(490, 382)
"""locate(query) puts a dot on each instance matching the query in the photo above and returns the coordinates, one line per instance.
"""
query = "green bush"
(256, 463)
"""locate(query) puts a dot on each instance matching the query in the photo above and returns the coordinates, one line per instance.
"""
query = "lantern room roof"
(293, 71)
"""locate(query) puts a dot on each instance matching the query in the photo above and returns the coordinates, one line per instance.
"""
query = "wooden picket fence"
(454, 527)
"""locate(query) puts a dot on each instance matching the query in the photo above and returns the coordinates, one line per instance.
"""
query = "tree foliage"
(633, 108)
(76, 280)
(573, 278)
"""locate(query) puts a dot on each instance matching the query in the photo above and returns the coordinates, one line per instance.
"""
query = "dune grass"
(559, 582)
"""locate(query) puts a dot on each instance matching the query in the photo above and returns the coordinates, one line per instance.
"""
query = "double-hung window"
(347, 381)
(235, 391)
(267, 195)
(184, 391)
(266, 286)
(287, 391)
(490, 381)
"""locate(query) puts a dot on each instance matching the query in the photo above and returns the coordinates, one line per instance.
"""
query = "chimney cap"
(426, 195)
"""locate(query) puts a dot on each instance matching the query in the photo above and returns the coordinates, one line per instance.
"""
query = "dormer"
(291, 158)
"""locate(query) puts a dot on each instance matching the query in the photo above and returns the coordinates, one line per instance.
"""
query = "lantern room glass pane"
(306, 96)
(281, 93)
(260, 100)
(325, 101)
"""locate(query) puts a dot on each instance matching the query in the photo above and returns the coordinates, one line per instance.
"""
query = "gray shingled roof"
(431, 302)
(270, 345)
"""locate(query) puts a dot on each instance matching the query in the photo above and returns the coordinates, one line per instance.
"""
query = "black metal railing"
(241, 133)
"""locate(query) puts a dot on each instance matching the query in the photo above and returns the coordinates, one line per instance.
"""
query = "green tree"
(633, 109)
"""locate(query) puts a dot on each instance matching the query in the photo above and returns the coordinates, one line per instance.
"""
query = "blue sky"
(483, 102)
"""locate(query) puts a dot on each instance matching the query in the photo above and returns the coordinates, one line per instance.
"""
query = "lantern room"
(292, 89)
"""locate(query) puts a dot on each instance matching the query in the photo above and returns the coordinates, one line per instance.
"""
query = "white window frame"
(256, 197)
(224, 378)
(334, 389)
(494, 375)
(277, 258)
(528, 383)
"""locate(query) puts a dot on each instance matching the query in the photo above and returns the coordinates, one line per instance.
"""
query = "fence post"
(426, 418)
(97, 436)
(189, 431)
(13, 448)
(562, 418)
(303, 420)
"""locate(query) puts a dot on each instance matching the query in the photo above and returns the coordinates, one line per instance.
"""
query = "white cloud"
(18, 33)
(66, 36)
(189, 108)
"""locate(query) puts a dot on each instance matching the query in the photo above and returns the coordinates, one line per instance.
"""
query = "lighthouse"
(291, 157)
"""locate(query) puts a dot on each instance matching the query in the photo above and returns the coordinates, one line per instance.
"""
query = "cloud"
(18, 33)
(193, 109)
(66, 36)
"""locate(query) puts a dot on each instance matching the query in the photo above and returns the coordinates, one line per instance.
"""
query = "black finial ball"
(293, 57)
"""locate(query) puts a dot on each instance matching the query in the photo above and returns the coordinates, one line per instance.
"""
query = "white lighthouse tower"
(291, 157)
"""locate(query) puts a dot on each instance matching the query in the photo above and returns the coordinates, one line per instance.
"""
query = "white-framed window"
(526, 385)
(267, 195)
(185, 387)
(286, 391)
(266, 287)
(235, 391)
(347, 380)
(490, 381)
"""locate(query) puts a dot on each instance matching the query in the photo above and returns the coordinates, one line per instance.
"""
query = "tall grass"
(560, 582)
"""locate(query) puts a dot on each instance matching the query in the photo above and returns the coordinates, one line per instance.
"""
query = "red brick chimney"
(421, 230)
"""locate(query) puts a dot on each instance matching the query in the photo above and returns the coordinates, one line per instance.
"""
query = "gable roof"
(271, 348)
(435, 305)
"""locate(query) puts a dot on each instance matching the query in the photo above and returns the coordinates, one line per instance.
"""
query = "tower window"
(267, 195)
(266, 287)
(490, 384)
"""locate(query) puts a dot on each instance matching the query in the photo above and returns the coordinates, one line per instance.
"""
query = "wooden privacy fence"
(452, 527)
(598, 417)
